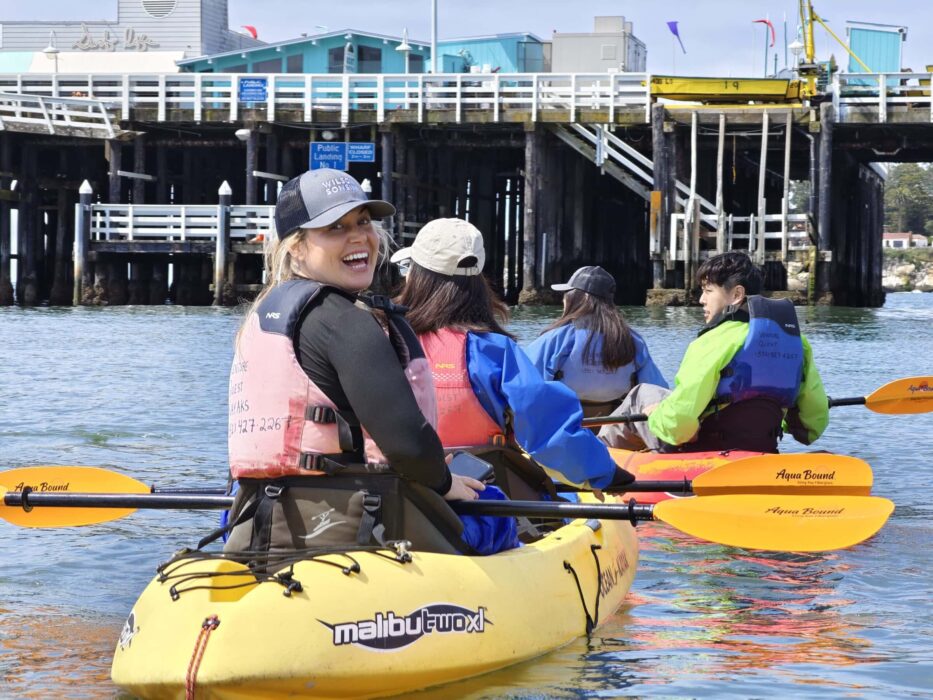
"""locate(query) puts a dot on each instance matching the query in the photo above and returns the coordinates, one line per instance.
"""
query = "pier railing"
(450, 97)
(66, 116)
(747, 233)
(184, 222)
(882, 97)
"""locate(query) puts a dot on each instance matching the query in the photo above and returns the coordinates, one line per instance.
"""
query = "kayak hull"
(391, 628)
(651, 466)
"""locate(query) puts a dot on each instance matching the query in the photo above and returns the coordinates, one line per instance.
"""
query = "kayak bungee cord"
(258, 563)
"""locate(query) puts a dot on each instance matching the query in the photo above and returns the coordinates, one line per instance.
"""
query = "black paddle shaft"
(28, 499)
(542, 509)
(552, 509)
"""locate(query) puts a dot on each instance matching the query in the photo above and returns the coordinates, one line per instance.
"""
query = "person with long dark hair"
(591, 348)
(488, 391)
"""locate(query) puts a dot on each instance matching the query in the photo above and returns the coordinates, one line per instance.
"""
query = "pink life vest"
(461, 419)
(280, 422)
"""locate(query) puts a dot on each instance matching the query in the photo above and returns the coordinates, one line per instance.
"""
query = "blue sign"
(253, 90)
(327, 154)
(361, 152)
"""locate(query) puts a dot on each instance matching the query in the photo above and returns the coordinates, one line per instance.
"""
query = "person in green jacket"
(747, 378)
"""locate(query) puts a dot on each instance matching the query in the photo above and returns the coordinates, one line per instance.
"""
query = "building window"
(370, 59)
(335, 60)
(159, 8)
(273, 65)
(241, 68)
(295, 64)
(415, 63)
(530, 57)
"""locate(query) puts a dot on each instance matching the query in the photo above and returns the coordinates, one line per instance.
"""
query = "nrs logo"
(273, 314)
(391, 632)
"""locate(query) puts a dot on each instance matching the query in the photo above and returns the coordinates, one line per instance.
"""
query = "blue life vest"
(770, 363)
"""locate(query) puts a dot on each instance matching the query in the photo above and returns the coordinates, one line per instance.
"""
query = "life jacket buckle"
(320, 414)
(273, 491)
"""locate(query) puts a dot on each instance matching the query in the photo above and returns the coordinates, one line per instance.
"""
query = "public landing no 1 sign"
(338, 155)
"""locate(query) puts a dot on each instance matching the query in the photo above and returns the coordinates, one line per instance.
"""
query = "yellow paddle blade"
(908, 395)
(779, 523)
(818, 473)
(65, 480)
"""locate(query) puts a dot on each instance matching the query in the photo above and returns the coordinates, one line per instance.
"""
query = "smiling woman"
(312, 375)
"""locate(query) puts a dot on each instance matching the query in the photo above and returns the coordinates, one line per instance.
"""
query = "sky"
(720, 36)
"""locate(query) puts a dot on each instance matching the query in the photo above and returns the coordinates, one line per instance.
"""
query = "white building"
(147, 36)
(611, 46)
(904, 240)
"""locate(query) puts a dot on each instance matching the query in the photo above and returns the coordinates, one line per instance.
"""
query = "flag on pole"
(673, 27)
(770, 26)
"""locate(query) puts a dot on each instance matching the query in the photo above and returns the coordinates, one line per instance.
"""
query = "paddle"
(902, 396)
(812, 474)
(777, 522)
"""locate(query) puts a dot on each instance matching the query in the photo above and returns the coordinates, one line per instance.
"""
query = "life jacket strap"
(372, 514)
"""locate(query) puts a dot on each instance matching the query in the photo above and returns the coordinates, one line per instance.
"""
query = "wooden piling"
(139, 166)
(221, 293)
(113, 152)
(663, 179)
(6, 208)
(252, 163)
(27, 268)
(825, 203)
(82, 235)
(759, 244)
(530, 197)
(720, 202)
(61, 292)
(387, 186)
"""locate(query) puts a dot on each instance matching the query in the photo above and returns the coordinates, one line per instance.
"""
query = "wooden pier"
(125, 182)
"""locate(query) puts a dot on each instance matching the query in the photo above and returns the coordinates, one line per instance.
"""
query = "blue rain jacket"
(545, 415)
(488, 534)
(561, 351)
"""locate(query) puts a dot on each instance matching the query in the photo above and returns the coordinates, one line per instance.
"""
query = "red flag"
(252, 30)
(770, 26)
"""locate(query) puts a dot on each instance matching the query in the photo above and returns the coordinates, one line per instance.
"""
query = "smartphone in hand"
(466, 464)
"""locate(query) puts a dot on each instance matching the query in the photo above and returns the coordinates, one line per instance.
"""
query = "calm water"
(143, 390)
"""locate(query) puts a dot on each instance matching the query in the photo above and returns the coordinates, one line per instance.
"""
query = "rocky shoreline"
(902, 274)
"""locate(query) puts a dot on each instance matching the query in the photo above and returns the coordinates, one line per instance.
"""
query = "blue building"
(351, 51)
(345, 51)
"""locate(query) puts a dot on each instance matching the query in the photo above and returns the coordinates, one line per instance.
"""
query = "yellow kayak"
(369, 623)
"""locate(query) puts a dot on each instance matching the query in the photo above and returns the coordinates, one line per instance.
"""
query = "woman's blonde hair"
(279, 265)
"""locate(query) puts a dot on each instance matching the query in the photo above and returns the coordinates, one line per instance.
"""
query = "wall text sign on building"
(132, 41)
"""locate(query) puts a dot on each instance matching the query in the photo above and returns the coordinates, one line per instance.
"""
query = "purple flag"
(673, 27)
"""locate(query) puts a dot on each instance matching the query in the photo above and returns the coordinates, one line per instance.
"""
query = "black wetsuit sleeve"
(345, 351)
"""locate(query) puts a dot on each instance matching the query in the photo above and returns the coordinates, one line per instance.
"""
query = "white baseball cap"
(446, 246)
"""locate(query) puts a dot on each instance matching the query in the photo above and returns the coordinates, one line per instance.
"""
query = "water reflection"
(52, 653)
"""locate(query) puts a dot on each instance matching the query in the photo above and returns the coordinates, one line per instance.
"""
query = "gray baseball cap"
(318, 198)
(591, 279)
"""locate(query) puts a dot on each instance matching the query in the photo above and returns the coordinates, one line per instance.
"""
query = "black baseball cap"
(318, 198)
(591, 279)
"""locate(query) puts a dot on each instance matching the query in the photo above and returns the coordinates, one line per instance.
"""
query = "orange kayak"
(652, 466)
